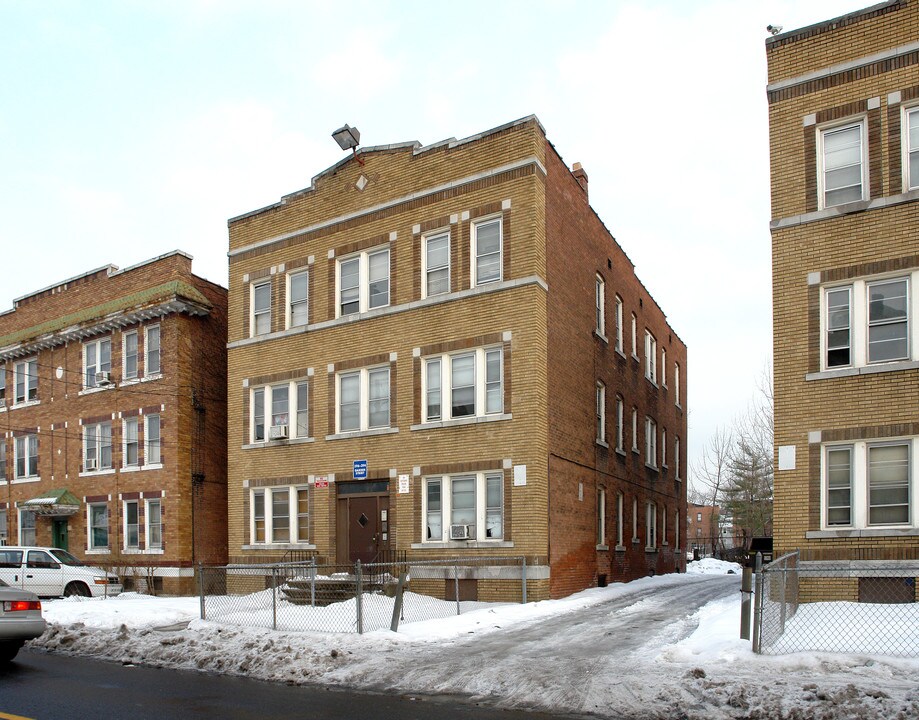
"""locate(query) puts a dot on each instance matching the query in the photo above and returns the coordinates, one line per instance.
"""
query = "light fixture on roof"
(348, 138)
(772, 29)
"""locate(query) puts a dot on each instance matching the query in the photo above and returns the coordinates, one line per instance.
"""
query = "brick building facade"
(441, 350)
(844, 136)
(113, 420)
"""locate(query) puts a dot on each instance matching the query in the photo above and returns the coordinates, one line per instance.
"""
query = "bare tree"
(710, 477)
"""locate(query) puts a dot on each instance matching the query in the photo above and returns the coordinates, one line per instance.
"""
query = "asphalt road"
(42, 686)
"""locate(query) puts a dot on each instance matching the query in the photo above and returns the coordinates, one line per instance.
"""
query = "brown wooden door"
(363, 517)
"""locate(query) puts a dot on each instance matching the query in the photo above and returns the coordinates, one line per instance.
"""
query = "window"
(650, 357)
(650, 442)
(664, 447)
(363, 399)
(152, 440)
(279, 515)
(2, 384)
(261, 308)
(663, 367)
(619, 519)
(97, 447)
(97, 363)
(676, 383)
(601, 516)
(283, 402)
(869, 484)
(635, 520)
(363, 282)
(676, 458)
(97, 521)
(3, 526)
(436, 264)
(842, 164)
(600, 301)
(867, 322)
(601, 413)
(486, 249)
(664, 526)
(676, 530)
(154, 529)
(152, 347)
(130, 448)
(619, 323)
(25, 378)
(131, 525)
(634, 429)
(634, 335)
(472, 505)
(911, 147)
(698, 517)
(129, 353)
(2, 460)
(298, 299)
(27, 528)
(466, 384)
(620, 432)
(651, 526)
(26, 450)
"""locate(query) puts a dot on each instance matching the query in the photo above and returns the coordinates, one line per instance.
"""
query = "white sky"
(130, 129)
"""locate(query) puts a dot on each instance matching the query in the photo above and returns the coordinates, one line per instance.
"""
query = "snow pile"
(130, 609)
(711, 566)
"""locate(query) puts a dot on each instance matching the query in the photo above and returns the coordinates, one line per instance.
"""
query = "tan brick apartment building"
(113, 420)
(844, 137)
(441, 350)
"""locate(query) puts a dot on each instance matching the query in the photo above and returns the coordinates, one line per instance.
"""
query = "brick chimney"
(581, 176)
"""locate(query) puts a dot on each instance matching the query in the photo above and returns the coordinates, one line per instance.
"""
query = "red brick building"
(456, 321)
(113, 420)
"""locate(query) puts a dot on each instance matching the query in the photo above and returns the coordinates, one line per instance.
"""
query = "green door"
(59, 534)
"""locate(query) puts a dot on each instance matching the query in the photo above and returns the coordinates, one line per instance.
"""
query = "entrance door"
(59, 534)
(361, 525)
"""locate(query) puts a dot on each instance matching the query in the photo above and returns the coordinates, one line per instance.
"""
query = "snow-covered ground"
(659, 647)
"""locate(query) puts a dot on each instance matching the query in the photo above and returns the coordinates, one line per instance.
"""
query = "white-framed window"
(870, 484)
(2, 384)
(131, 511)
(25, 380)
(363, 399)
(152, 454)
(97, 362)
(463, 384)
(650, 356)
(279, 411)
(600, 302)
(676, 457)
(868, 322)
(601, 516)
(97, 446)
(2, 462)
(676, 530)
(279, 515)
(620, 500)
(676, 384)
(3, 526)
(486, 251)
(435, 263)
(664, 525)
(620, 430)
(363, 281)
(911, 147)
(663, 367)
(601, 412)
(26, 528)
(634, 429)
(635, 520)
(842, 164)
(663, 447)
(634, 335)
(97, 526)
(129, 368)
(152, 350)
(25, 448)
(298, 299)
(650, 442)
(463, 507)
(260, 322)
(619, 323)
(130, 447)
(651, 525)
(153, 530)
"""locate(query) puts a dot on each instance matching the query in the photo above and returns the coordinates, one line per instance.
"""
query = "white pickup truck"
(52, 572)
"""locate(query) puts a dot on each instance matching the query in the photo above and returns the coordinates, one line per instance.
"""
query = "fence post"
(201, 589)
(783, 606)
(456, 586)
(274, 598)
(359, 590)
(397, 605)
(523, 575)
(746, 588)
(313, 582)
(758, 607)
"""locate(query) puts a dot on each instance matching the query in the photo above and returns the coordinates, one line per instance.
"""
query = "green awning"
(54, 502)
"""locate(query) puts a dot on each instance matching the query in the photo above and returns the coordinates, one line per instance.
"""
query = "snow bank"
(711, 566)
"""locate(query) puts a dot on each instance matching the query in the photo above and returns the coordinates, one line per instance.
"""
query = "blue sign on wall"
(360, 469)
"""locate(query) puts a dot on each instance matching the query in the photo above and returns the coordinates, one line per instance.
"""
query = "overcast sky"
(130, 129)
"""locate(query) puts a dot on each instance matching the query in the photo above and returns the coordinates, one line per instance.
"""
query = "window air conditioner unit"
(103, 378)
(277, 432)
(90, 464)
(460, 532)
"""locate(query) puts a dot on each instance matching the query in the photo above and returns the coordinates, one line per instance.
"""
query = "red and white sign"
(322, 481)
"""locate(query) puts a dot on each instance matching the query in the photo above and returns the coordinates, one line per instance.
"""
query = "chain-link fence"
(855, 606)
(300, 596)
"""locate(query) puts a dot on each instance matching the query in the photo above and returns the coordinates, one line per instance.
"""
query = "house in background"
(113, 421)
(844, 135)
(441, 351)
